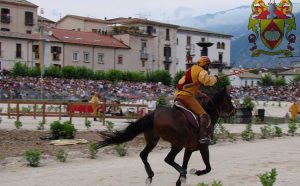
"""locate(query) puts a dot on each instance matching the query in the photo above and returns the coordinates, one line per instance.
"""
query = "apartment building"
(161, 38)
(24, 48)
(85, 24)
(188, 49)
(18, 16)
(93, 50)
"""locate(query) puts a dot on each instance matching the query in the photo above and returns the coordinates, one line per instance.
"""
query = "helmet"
(203, 60)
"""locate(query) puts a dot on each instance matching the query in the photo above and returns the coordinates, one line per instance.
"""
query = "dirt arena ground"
(235, 164)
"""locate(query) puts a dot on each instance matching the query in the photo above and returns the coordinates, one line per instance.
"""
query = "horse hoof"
(148, 181)
(193, 171)
(183, 179)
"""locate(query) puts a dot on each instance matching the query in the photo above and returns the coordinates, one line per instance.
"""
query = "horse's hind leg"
(186, 159)
(151, 140)
(170, 160)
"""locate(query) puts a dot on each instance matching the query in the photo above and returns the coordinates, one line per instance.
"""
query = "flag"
(42, 45)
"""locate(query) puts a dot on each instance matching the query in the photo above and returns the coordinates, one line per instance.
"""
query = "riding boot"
(204, 122)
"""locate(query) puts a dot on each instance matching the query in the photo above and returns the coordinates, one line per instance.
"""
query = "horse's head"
(223, 103)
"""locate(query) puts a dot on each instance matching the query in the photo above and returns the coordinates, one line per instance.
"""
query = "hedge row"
(71, 72)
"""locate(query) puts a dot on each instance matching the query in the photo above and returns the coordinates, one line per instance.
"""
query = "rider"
(188, 87)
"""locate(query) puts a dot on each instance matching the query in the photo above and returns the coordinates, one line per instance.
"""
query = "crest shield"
(272, 32)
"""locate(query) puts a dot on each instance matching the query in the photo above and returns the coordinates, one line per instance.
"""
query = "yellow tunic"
(95, 102)
(196, 76)
(294, 110)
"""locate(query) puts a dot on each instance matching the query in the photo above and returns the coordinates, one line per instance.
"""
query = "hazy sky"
(162, 10)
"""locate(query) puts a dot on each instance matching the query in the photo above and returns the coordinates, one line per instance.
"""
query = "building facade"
(18, 16)
(189, 51)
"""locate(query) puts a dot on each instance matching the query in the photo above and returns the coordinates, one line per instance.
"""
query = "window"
(86, 57)
(202, 39)
(75, 56)
(0, 49)
(188, 40)
(100, 58)
(168, 34)
(221, 57)
(19, 50)
(56, 51)
(35, 50)
(120, 59)
(252, 83)
(223, 45)
(29, 18)
(144, 47)
(218, 45)
(5, 15)
(5, 29)
(28, 32)
(167, 53)
(143, 63)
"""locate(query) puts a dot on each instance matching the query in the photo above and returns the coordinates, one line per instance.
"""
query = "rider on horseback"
(188, 87)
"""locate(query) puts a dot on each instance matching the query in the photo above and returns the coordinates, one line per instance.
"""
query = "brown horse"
(171, 125)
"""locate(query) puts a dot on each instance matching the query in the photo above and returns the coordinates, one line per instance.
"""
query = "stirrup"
(206, 141)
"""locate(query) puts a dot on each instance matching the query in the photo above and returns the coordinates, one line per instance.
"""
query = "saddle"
(189, 115)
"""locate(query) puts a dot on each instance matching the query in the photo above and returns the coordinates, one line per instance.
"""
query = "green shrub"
(42, 124)
(217, 183)
(248, 133)
(177, 77)
(61, 155)
(93, 149)
(20, 69)
(87, 123)
(68, 72)
(121, 149)
(62, 131)
(278, 131)
(114, 75)
(161, 101)
(292, 127)
(53, 71)
(34, 72)
(99, 75)
(18, 124)
(268, 178)
(202, 184)
(159, 76)
(267, 80)
(109, 125)
(248, 103)
(280, 81)
(33, 157)
(266, 131)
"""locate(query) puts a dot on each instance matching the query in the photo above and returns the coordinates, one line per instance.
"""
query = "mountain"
(235, 22)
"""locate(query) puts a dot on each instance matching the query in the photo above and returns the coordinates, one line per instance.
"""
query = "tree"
(267, 80)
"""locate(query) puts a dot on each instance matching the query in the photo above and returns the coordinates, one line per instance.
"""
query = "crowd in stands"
(80, 90)
(70, 89)
(268, 93)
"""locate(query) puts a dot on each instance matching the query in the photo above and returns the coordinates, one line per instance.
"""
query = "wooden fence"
(19, 108)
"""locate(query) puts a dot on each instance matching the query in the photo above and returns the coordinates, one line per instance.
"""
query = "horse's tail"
(131, 131)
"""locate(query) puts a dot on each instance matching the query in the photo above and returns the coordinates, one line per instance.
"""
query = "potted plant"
(244, 111)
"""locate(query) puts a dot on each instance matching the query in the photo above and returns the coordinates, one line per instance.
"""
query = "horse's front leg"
(205, 156)
(186, 159)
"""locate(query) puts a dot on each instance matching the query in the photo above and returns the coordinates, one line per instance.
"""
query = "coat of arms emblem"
(273, 24)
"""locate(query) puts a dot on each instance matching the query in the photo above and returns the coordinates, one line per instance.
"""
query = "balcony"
(168, 60)
(5, 18)
(144, 56)
(29, 22)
